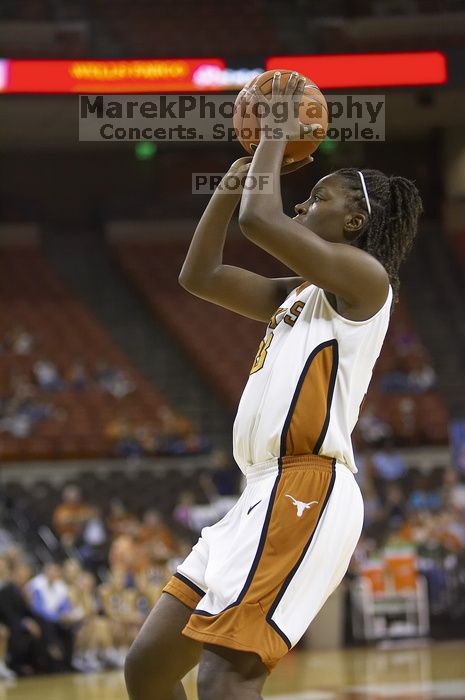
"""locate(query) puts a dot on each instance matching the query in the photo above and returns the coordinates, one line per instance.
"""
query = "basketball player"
(254, 581)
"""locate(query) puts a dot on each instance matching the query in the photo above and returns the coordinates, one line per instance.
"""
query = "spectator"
(389, 465)
(19, 341)
(71, 571)
(395, 507)
(423, 497)
(123, 553)
(93, 540)
(147, 592)
(183, 510)
(5, 633)
(6, 540)
(373, 429)
(47, 375)
(407, 430)
(395, 381)
(70, 516)
(27, 650)
(21, 388)
(154, 531)
(121, 433)
(113, 380)
(50, 601)
(119, 519)
(120, 606)
(422, 376)
(94, 646)
(454, 491)
(225, 475)
(78, 376)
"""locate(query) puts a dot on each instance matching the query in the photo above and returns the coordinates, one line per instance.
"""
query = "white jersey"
(308, 381)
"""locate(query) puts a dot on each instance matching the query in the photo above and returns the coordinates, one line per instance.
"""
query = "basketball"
(313, 110)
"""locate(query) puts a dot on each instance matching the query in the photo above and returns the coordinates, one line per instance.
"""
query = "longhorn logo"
(300, 505)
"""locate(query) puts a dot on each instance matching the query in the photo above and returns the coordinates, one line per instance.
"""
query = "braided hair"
(390, 229)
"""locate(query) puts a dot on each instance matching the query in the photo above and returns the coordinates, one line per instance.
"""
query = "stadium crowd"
(33, 398)
(82, 610)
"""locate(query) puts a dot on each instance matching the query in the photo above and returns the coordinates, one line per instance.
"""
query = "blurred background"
(118, 389)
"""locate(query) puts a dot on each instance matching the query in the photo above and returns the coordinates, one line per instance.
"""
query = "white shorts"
(257, 578)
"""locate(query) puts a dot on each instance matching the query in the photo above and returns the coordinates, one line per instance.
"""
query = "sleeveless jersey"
(308, 381)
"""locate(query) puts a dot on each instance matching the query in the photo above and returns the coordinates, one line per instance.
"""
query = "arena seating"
(223, 344)
(152, 29)
(140, 28)
(140, 490)
(64, 332)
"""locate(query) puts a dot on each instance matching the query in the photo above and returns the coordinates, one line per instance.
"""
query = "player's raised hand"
(289, 99)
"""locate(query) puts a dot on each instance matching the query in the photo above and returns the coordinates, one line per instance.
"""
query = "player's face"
(326, 211)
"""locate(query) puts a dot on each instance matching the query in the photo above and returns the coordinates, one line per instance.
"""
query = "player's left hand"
(289, 96)
(290, 164)
(241, 165)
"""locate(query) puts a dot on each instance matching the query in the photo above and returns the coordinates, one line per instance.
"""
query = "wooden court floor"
(435, 672)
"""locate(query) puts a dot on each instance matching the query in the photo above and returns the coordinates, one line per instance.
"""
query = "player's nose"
(300, 209)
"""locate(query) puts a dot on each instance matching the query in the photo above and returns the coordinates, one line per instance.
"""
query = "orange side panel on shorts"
(313, 402)
(301, 489)
(182, 592)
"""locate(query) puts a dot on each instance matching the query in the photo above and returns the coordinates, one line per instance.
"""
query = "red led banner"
(176, 75)
(88, 76)
(368, 70)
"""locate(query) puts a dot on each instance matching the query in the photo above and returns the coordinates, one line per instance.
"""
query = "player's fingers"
(291, 84)
(253, 147)
(276, 84)
(257, 93)
(290, 164)
(300, 87)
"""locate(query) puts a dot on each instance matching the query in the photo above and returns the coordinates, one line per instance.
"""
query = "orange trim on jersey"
(308, 417)
(301, 492)
(183, 592)
(301, 287)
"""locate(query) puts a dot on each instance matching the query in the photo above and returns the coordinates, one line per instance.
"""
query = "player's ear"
(353, 224)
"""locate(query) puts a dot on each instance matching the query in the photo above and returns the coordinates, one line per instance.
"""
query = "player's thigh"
(160, 650)
(229, 673)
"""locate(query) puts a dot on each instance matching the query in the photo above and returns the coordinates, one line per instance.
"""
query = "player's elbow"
(187, 281)
(252, 223)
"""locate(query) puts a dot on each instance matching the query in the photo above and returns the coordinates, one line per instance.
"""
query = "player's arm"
(204, 274)
(351, 274)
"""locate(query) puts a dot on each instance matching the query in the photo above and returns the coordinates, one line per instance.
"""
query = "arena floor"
(404, 673)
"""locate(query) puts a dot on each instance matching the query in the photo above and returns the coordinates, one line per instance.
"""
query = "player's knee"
(211, 683)
(230, 674)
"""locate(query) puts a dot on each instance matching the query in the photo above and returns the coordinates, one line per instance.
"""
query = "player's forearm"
(259, 206)
(205, 252)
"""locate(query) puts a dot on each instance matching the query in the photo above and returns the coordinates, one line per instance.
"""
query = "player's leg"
(230, 674)
(161, 655)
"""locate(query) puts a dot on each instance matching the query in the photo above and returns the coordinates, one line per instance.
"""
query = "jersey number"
(262, 352)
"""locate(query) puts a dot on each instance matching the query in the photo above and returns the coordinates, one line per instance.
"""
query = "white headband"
(365, 191)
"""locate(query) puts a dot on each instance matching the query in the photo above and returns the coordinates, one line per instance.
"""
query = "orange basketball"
(313, 110)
